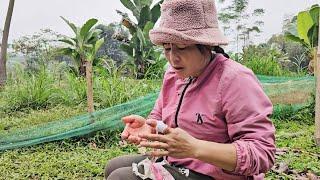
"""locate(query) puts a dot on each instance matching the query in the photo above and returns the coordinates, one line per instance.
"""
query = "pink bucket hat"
(188, 22)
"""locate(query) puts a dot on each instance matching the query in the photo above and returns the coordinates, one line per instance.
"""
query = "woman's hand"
(135, 125)
(174, 142)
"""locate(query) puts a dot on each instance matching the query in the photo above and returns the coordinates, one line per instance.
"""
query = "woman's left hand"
(174, 142)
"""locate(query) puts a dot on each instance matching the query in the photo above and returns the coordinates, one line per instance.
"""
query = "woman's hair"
(216, 49)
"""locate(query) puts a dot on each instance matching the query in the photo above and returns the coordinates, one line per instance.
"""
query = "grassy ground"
(84, 158)
(21, 120)
(58, 160)
(296, 142)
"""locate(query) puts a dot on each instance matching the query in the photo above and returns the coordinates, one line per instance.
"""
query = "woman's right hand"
(135, 125)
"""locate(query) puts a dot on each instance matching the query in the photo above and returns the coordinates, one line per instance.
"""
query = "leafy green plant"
(264, 60)
(115, 90)
(140, 49)
(157, 69)
(44, 89)
(109, 68)
(30, 91)
(304, 29)
(298, 58)
(72, 90)
(264, 66)
(84, 47)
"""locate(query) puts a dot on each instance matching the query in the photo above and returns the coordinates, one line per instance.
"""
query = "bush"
(264, 66)
(35, 91)
(303, 114)
(264, 60)
(46, 89)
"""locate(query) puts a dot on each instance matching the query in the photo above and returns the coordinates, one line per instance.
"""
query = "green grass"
(302, 154)
(85, 158)
(299, 137)
(59, 160)
(22, 120)
(44, 90)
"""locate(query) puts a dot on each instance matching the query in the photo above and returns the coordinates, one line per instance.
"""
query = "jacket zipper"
(180, 101)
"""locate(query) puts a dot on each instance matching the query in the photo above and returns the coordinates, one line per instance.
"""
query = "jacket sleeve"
(246, 109)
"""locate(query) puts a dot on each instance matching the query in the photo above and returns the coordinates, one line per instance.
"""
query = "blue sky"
(32, 15)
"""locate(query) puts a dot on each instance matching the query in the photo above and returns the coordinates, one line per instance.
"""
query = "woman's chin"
(181, 75)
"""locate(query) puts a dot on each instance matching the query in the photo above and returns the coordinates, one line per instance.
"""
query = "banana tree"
(140, 49)
(84, 47)
(304, 30)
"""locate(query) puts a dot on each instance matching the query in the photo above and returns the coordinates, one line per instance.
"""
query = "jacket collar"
(218, 58)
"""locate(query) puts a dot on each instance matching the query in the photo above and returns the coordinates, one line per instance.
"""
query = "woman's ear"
(208, 50)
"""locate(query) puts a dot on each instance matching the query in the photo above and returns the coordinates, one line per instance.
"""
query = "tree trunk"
(4, 45)
(317, 74)
(141, 68)
(82, 68)
(89, 88)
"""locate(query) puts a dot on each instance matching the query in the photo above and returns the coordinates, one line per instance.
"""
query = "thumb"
(168, 130)
(125, 133)
(127, 119)
(134, 121)
(152, 122)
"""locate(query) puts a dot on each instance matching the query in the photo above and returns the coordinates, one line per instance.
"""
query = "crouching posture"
(213, 110)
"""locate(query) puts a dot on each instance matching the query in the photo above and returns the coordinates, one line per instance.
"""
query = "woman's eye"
(182, 48)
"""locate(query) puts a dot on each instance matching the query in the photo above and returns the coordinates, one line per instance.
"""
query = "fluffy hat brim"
(208, 36)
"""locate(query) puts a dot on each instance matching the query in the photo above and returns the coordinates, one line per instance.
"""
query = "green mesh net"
(284, 92)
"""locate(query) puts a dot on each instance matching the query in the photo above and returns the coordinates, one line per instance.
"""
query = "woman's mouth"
(178, 68)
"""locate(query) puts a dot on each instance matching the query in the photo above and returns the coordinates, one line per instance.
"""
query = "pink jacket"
(225, 104)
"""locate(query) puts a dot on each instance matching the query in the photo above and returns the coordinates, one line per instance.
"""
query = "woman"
(215, 109)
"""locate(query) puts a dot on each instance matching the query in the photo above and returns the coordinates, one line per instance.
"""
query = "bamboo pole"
(317, 108)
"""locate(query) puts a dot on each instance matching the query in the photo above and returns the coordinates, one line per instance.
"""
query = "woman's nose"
(174, 56)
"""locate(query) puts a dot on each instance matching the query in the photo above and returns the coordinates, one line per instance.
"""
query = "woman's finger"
(167, 130)
(155, 137)
(157, 145)
(125, 133)
(127, 119)
(151, 122)
(157, 153)
(134, 139)
(134, 121)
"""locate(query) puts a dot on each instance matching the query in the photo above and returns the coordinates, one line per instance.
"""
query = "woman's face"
(186, 60)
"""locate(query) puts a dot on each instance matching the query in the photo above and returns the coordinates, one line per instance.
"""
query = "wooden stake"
(89, 79)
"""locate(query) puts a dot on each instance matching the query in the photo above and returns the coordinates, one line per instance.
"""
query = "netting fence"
(283, 92)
